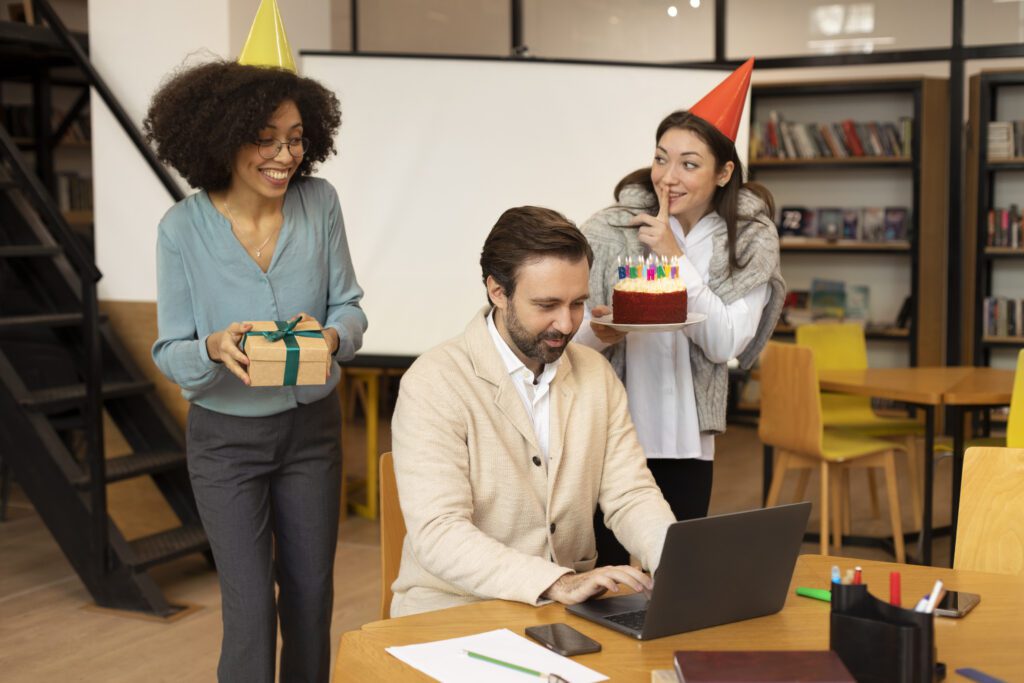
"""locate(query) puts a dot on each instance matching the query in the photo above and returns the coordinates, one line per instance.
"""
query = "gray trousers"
(268, 494)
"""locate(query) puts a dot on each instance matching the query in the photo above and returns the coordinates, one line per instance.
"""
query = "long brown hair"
(726, 198)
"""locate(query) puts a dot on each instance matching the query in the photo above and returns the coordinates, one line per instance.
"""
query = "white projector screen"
(432, 151)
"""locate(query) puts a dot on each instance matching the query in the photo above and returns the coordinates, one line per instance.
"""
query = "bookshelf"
(45, 109)
(911, 175)
(993, 268)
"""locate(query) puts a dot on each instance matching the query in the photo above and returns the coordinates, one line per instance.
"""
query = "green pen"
(816, 593)
(550, 678)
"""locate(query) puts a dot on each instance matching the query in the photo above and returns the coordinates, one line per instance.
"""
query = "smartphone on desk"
(956, 603)
(563, 639)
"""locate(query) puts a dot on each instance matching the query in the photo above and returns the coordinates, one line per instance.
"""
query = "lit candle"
(621, 268)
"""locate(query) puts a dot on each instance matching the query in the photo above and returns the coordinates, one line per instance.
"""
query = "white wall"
(134, 46)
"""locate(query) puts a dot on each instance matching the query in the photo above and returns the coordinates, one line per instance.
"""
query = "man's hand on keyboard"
(571, 589)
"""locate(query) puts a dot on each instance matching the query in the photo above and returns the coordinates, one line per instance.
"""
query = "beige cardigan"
(484, 521)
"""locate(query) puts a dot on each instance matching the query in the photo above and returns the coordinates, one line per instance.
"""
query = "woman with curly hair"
(691, 204)
(261, 240)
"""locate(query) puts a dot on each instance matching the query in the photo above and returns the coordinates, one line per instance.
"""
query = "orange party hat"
(267, 44)
(723, 106)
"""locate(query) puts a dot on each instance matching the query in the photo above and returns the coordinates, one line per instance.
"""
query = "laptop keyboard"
(631, 620)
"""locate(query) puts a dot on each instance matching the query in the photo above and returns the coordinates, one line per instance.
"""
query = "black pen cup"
(879, 642)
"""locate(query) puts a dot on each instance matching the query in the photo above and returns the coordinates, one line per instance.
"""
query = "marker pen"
(934, 597)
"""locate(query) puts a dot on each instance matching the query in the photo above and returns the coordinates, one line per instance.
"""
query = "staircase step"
(60, 398)
(41, 320)
(29, 251)
(137, 465)
(168, 545)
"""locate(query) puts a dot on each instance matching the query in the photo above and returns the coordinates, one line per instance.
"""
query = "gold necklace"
(259, 249)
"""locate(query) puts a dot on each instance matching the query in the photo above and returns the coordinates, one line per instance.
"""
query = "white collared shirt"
(659, 383)
(535, 392)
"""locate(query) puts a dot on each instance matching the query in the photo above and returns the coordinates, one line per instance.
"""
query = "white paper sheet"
(446, 660)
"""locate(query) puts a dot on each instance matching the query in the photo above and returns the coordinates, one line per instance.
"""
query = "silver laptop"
(714, 570)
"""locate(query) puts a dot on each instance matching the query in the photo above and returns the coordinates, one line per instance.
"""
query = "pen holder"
(879, 642)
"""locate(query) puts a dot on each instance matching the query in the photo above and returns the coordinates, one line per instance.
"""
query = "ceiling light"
(672, 11)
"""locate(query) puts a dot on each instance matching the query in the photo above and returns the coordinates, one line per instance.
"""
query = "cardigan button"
(536, 461)
(552, 527)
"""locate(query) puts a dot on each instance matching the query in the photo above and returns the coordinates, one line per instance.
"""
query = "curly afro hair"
(202, 116)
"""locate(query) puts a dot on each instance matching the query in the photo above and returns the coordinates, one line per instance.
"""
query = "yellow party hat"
(267, 44)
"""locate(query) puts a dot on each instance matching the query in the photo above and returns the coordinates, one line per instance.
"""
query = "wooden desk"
(988, 638)
(929, 388)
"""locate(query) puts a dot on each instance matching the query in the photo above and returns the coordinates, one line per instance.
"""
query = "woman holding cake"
(261, 240)
(690, 210)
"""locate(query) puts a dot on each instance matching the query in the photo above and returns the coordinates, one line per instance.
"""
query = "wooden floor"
(48, 633)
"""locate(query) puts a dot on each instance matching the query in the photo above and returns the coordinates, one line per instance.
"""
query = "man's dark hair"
(525, 234)
(202, 116)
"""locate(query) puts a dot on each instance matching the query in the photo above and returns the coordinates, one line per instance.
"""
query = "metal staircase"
(62, 368)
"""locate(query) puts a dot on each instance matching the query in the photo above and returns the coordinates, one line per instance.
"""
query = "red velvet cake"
(649, 292)
(648, 308)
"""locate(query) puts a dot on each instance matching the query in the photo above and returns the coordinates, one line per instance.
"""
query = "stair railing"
(88, 275)
(44, 10)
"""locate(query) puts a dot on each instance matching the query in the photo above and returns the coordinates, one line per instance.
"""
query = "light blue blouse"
(206, 281)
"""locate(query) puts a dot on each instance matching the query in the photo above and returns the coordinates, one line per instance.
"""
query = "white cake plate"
(691, 319)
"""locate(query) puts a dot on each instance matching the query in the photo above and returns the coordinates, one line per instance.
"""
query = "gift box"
(283, 353)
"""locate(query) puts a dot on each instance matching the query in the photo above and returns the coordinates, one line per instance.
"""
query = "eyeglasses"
(271, 148)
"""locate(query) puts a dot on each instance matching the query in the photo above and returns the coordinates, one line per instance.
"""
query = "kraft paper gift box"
(282, 353)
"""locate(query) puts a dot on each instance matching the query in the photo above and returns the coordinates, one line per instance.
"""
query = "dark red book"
(760, 666)
(852, 140)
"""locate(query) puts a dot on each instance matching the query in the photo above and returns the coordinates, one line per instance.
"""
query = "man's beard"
(533, 347)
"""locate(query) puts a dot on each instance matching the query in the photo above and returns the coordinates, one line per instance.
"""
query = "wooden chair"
(990, 530)
(842, 346)
(392, 532)
(1015, 422)
(791, 422)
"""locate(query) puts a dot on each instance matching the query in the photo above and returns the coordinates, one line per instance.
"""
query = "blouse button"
(536, 461)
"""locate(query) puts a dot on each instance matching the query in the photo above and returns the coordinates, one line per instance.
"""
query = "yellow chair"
(363, 386)
(392, 532)
(990, 531)
(1015, 422)
(842, 346)
(791, 422)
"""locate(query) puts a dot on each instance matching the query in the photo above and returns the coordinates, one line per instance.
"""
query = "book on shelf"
(1000, 139)
(851, 224)
(1005, 140)
(858, 302)
(19, 120)
(797, 221)
(873, 224)
(828, 298)
(778, 138)
(1004, 228)
(74, 192)
(830, 223)
(905, 314)
(1003, 316)
(896, 223)
(796, 308)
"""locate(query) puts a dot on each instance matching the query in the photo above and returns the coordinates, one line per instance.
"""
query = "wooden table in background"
(956, 388)
(989, 638)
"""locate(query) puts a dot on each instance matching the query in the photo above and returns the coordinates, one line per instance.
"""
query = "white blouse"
(659, 385)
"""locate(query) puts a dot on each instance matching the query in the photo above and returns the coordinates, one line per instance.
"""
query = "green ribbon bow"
(286, 331)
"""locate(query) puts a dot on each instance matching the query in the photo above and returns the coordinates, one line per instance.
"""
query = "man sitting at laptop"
(507, 437)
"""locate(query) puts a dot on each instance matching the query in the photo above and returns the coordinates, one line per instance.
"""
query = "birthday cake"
(649, 292)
